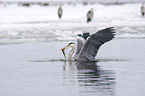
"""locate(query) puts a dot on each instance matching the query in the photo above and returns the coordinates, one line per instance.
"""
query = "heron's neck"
(71, 53)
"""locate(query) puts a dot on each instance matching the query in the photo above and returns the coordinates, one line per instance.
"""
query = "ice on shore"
(37, 23)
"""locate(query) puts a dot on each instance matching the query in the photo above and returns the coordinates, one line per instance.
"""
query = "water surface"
(34, 69)
(31, 62)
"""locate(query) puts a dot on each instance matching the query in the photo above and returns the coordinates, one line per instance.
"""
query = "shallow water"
(31, 62)
(38, 69)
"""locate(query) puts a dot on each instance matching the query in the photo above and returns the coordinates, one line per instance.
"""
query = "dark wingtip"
(106, 34)
(110, 30)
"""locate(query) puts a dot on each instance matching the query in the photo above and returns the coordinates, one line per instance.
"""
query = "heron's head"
(79, 35)
(92, 9)
(71, 44)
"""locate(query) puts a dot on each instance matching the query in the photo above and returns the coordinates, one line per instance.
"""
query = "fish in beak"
(64, 51)
(69, 45)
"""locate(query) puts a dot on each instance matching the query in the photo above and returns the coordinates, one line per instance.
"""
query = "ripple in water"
(91, 80)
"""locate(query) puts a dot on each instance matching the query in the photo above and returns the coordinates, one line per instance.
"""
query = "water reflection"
(89, 78)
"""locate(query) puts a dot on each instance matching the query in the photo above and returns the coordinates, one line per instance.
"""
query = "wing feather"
(93, 43)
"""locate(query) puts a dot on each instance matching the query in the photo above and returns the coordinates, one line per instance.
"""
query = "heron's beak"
(64, 51)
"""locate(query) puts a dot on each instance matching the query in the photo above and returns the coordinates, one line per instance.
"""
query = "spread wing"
(93, 43)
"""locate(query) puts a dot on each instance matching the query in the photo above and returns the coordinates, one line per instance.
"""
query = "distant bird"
(87, 49)
(142, 10)
(60, 11)
(90, 15)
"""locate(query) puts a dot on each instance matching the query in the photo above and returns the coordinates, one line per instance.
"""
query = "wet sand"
(34, 69)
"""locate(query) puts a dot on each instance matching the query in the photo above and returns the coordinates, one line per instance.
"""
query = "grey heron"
(142, 10)
(87, 49)
(60, 11)
(90, 15)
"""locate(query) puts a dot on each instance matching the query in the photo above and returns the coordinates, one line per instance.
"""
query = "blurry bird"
(60, 11)
(90, 15)
(87, 49)
(142, 10)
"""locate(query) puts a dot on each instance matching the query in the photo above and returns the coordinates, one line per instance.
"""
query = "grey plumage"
(90, 15)
(81, 41)
(93, 43)
(142, 10)
(80, 44)
(88, 49)
(60, 11)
